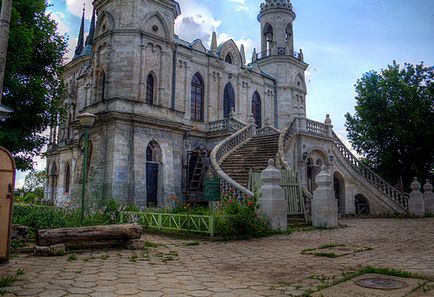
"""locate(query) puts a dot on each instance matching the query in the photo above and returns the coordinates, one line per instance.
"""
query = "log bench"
(78, 237)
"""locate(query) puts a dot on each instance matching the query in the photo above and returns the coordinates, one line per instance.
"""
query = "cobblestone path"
(271, 266)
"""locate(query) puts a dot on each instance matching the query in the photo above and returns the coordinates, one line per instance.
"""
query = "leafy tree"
(32, 85)
(35, 182)
(393, 127)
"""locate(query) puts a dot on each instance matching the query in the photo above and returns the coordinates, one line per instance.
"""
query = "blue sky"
(341, 39)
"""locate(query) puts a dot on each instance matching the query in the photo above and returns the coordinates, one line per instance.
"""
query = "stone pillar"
(324, 204)
(251, 121)
(273, 204)
(415, 202)
(302, 119)
(328, 123)
(428, 197)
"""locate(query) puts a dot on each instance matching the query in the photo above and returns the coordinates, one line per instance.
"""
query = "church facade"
(159, 99)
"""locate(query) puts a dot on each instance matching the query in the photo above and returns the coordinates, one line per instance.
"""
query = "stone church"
(170, 113)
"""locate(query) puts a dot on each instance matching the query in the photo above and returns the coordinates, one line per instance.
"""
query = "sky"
(341, 40)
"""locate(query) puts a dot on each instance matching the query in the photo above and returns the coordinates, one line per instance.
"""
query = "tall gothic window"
(197, 98)
(67, 178)
(256, 109)
(102, 85)
(228, 59)
(150, 89)
(228, 100)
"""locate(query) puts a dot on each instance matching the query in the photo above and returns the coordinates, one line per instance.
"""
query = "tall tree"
(31, 85)
(393, 127)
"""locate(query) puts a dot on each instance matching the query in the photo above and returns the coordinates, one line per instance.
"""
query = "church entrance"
(152, 166)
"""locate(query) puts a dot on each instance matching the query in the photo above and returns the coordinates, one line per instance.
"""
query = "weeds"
(72, 258)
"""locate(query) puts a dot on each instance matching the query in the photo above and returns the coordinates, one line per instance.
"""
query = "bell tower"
(276, 18)
(279, 59)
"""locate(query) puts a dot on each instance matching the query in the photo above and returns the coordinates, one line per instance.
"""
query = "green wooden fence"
(175, 222)
(290, 184)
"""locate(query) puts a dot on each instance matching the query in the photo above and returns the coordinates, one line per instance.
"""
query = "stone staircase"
(253, 154)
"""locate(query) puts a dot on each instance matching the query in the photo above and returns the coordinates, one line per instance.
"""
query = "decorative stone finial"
(428, 186)
(243, 55)
(254, 55)
(214, 42)
(232, 113)
(271, 162)
(327, 120)
(267, 122)
(415, 185)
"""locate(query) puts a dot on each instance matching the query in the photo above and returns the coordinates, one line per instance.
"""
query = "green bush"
(239, 217)
(45, 217)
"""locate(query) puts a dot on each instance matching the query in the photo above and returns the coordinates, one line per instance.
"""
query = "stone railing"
(222, 150)
(316, 128)
(284, 139)
(219, 125)
(280, 51)
(230, 124)
(392, 193)
(267, 130)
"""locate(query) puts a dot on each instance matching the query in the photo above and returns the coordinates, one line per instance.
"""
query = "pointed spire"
(214, 42)
(79, 47)
(243, 55)
(89, 40)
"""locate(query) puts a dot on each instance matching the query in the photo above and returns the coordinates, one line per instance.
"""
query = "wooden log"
(77, 235)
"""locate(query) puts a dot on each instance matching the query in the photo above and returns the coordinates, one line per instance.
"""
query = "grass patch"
(150, 244)
(8, 280)
(327, 255)
(346, 276)
(105, 257)
(192, 243)
(72, 258)
(133, 257)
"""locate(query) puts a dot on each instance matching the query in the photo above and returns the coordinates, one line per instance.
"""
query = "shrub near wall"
(239, 217)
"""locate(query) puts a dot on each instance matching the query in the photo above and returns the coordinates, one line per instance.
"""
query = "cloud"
(196, 21)
(58, 17)
(241, 5)
(75, 7)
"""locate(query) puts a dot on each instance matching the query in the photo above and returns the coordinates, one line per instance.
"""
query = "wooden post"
(7, 185)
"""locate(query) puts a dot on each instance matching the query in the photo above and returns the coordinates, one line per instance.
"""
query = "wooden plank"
(7, 185)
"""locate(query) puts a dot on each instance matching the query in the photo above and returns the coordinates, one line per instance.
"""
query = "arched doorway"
(153, 160)
(339, 187)
(314, 161)
(361, 204)
(53, 188)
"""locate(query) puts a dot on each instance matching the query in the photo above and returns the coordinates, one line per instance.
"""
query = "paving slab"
(272, 266)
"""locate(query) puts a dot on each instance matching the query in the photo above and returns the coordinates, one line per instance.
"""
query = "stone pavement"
(272, 266)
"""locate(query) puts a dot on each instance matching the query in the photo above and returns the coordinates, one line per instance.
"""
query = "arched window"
(197, 98)
(228, 59)
(102, 85)
(149, 154)
(268, 38)
(228, 100)
(150, 89)
(67, 180)
(256, 109)
(288, 35)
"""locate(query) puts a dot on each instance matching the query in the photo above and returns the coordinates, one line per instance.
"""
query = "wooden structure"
(79, 235)
(291, 186)
(7, 185)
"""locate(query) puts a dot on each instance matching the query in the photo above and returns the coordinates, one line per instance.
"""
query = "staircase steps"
(253, 154)
(297, 221)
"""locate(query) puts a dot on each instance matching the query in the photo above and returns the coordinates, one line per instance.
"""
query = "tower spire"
(89, 40)
(80, 44)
